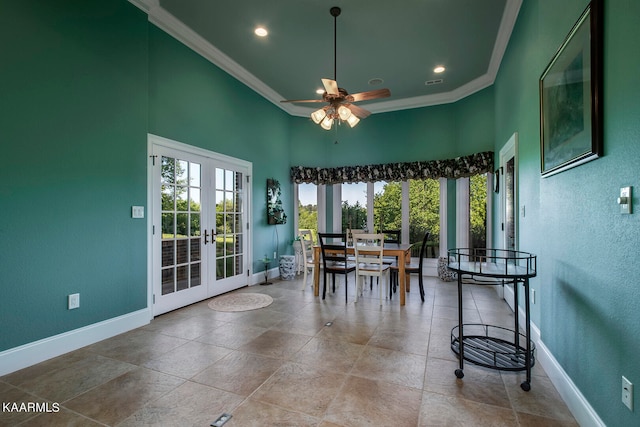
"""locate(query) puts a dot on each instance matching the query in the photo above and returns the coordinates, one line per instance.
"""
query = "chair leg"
(324, 286)
(304, 279)
(346, 288)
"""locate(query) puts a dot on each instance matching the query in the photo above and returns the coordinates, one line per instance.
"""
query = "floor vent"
(221, 420)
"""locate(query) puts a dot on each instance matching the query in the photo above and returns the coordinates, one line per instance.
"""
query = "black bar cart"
(491, 346)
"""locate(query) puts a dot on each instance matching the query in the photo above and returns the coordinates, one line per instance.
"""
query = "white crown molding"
(508, 22)
(177, 29)
(181, 32)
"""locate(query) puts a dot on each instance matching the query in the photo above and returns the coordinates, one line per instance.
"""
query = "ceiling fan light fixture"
(341, 105)
(318, 115)
(344, 113)
(327, 123)
(353, 120)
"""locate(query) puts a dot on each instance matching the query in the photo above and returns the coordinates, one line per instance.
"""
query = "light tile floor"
(282, 366)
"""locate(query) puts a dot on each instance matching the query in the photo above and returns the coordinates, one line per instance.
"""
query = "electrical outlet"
(73, 301)
(533, 296)
(274, 254)
(627, 393)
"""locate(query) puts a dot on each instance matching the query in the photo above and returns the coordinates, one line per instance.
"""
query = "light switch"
(625, 200)
(137, 211)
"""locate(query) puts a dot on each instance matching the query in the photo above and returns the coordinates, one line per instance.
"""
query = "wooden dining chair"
(413, 268)
(369, 251)
(333, 247)
(391, 236)
(308, 265)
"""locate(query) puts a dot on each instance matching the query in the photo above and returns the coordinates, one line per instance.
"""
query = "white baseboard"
(257, 278)
(38, 351)
(580, 408)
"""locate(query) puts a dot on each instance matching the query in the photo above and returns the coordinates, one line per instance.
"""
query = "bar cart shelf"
(491, 346)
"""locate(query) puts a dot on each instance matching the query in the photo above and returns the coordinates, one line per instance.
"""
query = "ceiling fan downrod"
(335, 12)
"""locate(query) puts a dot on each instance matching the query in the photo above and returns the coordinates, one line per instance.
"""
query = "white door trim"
(247, 167)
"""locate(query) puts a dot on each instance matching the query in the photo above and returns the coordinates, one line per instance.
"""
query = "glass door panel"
(198, 215)
(180, 194)
(229, 232)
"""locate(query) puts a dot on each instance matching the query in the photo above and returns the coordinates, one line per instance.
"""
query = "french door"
(199, 224)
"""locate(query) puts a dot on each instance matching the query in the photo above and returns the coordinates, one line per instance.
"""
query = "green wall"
(429, 133)
(196, 103)
(73, 120)
(82, 84)
(587, 308)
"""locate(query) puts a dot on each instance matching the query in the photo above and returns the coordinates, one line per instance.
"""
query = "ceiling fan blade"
(303, 100)
(330, 86)
(358, 111)
(372, 94)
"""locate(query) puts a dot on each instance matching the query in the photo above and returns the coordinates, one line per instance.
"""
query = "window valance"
(451, 168)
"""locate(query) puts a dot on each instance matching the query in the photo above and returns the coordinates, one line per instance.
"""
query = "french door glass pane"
(228, 223)
(168, 280)
(180, 193)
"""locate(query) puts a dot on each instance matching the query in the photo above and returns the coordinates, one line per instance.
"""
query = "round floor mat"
(240, 302)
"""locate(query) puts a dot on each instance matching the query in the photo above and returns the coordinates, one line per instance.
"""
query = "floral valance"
(451, 168)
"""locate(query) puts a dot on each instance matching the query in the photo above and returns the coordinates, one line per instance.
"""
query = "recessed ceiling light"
(376, 81)
(261, 32)
(320, 91)
(439, 69)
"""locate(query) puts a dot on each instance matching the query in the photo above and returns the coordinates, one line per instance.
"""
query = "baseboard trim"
(580, 408)
(38, 351)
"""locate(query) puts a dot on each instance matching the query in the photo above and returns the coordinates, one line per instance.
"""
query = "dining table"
(401, 251)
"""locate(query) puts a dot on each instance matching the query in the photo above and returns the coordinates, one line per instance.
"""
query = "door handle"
(205, 237)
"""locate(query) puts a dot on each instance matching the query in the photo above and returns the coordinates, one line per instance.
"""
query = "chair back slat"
(333, 247)
(369, 250)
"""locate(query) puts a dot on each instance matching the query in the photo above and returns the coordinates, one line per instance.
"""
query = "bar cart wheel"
(459, 373)
(525, 386)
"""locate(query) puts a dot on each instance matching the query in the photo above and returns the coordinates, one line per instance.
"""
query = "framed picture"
(571, 97)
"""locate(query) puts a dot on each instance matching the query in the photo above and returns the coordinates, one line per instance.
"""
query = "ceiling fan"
(340, 106)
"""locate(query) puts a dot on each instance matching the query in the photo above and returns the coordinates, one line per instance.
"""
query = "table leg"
(316, 271)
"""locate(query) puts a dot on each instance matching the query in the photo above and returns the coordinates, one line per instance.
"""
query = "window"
(354, 206)
(424, 215)
(478, 211)
(308, 208)
(387, 206)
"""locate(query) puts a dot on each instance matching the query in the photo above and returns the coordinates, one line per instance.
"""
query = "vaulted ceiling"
(399, 43)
